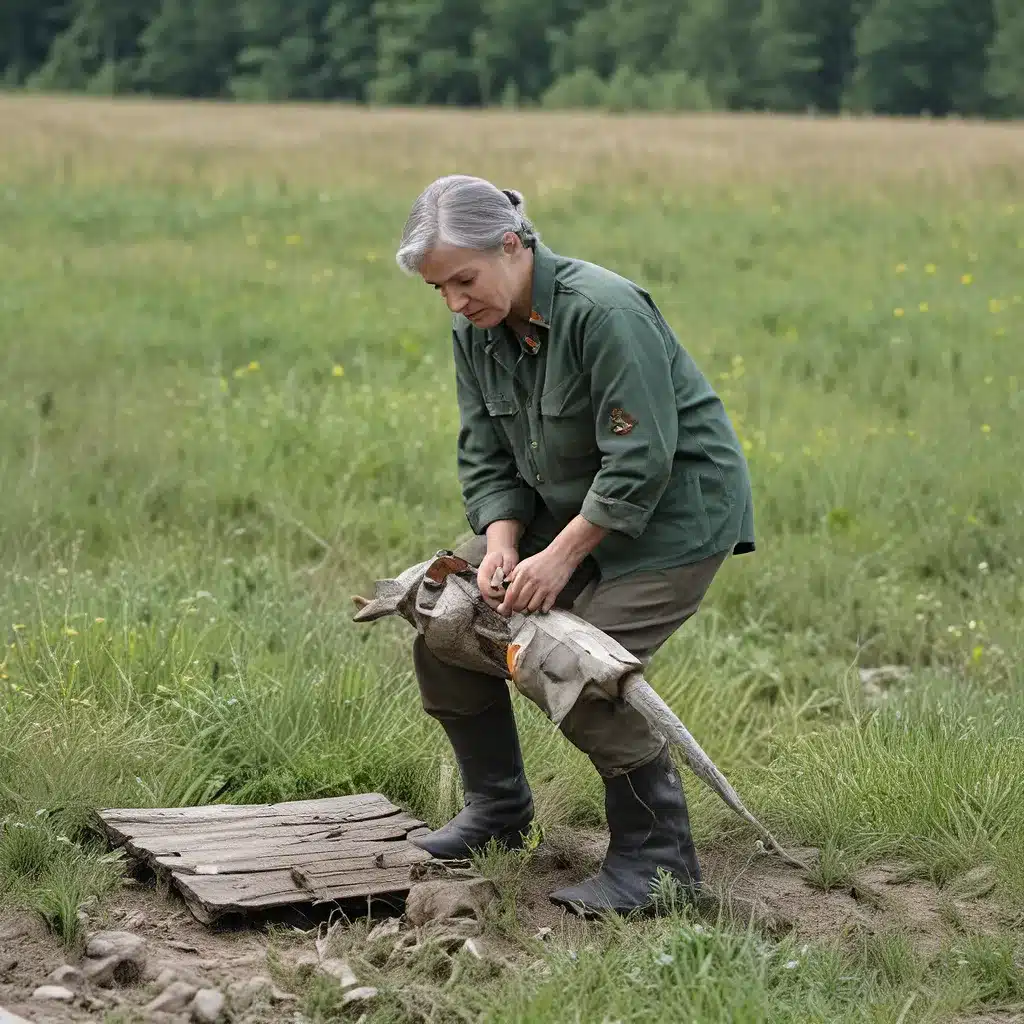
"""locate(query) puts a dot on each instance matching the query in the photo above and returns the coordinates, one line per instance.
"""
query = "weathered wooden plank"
(337, 867)
(243, 857)
(334, 854)
(234, 858)
(223, 894)
(329, 805)
(123, 829)
(171, 841)
(351, 884)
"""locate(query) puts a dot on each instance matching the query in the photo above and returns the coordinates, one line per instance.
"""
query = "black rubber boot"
(649, 829)
(497, 797)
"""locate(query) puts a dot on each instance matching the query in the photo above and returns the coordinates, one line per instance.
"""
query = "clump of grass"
(45, 872)
(833, 868)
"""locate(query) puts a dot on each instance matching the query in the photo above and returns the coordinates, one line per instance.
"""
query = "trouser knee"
(450, 690)
(614, 735)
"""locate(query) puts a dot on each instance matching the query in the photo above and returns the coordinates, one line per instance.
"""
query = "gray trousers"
(640, 611)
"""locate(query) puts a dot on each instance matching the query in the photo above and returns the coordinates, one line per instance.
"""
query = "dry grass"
(129, 139)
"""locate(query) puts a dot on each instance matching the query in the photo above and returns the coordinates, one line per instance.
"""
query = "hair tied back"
(514, 197)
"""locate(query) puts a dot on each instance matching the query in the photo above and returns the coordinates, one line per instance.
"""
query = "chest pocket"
(504, 415)
(567, 420)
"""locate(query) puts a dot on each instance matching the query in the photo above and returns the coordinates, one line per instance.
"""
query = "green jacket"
(600, 412)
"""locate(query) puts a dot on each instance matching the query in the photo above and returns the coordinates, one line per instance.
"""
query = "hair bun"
(514, 197)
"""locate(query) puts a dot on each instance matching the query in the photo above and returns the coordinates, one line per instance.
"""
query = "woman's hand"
(504, 558)
(537, 581)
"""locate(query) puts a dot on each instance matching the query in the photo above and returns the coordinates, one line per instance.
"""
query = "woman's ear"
(510, 243)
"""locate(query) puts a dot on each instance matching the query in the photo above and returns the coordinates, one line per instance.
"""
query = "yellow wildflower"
(923, 307)
(996, 305)
(70, 632)
(930, 268)
(898, 311)
(967, 279)
(338, 370)
(253, 366)
(293, 240)
(986, 429)
(901, 268)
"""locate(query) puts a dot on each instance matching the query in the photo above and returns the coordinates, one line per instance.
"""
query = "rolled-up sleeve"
(635, 413)
(492, 488)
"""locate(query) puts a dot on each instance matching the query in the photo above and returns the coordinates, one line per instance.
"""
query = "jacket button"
(533, 444)
(540, 479)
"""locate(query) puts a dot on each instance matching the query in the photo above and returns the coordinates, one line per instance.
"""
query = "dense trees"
(889, 56)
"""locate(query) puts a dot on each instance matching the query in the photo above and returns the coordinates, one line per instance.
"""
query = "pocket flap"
(500, 406)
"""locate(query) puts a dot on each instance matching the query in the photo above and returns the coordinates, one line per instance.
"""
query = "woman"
(600, 473)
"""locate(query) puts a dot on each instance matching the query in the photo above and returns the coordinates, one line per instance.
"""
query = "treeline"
(937, 57)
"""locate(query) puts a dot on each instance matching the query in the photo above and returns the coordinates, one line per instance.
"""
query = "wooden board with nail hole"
(230, 859)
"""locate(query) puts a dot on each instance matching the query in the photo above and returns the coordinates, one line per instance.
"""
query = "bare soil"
(759, 889)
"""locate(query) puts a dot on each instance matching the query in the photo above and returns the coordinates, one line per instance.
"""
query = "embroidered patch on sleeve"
(622, 422)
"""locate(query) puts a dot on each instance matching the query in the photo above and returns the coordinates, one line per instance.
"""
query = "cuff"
(516, 504)
(612, 514)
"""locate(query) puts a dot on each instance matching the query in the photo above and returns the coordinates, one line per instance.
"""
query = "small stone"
(175, 997)
(125, 944)
(543, 933)
(472, 947)
(359, 995)
(339, 970)
(184, 947)
(442, 901)
(135, 920)
(207, 1006)
(68, 976)
(115, 957)
(56, 993)
(113, 970)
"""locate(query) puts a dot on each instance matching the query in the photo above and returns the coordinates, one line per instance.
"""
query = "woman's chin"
(485, 319)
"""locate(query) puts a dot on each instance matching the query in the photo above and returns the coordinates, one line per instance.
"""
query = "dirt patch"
(174, 941)
(882, 898)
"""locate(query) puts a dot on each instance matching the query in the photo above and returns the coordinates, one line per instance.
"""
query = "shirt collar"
(543, 285)
(542, 300)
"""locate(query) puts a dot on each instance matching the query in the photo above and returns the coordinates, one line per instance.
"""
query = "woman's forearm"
(504, 533)
(578, 539)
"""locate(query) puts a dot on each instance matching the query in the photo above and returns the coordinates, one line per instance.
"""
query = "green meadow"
(225, 410)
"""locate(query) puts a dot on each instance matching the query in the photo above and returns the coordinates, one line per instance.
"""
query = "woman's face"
(482, 286)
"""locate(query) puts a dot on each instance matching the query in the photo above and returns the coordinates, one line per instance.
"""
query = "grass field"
(224, 410)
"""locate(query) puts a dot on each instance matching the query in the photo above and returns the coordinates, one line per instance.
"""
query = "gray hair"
(463, 211)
